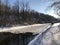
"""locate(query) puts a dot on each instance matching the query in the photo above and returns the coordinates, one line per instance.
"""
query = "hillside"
(11, 16)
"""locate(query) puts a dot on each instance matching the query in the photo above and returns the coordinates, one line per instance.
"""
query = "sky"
(40, 6)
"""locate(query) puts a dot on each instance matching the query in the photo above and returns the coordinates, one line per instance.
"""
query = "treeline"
(21, 14)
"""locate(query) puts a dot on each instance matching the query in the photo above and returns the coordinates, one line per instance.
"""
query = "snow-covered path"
(51, 37)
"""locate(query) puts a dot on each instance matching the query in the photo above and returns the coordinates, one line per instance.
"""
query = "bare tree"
(7, 5)
(56, 7)
(27, 6)
(24, 5)
(0, 4)
(6, 12)
(0, 1)
(0, 7)
(16, 7)
(15, 10)
(25, 9)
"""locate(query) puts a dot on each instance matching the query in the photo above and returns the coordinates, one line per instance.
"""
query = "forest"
(21, 14)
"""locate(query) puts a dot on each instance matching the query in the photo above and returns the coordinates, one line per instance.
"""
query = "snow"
(50, 36)
(35, 28)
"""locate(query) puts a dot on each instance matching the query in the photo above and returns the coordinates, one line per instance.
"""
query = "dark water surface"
(16, 39)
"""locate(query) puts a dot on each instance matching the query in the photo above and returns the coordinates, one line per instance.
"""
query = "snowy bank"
(36, 28)
(50, 36)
